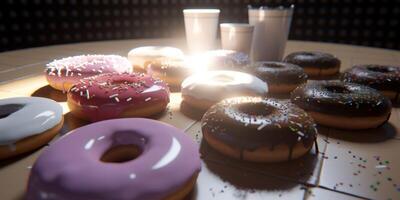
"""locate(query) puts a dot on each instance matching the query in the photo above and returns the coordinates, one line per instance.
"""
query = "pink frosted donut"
(119, 159)
(62, 74)
(114, 95)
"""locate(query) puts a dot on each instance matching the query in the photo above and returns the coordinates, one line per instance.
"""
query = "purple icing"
(71, 168)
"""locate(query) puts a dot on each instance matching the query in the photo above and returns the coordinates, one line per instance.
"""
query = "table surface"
(350, 165)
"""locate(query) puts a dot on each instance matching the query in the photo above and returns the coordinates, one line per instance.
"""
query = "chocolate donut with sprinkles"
(316, 64)
(343, 105)
(384, 78)
(259, 129)
(225, 59)
(282, 78)
(62, 74)
(114, 95)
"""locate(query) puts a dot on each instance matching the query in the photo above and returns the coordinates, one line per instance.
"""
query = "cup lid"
(200, 12)
(276, 11)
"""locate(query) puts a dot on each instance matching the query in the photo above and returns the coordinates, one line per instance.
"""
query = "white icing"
(36, 116)
(141, 55)
(218, 85)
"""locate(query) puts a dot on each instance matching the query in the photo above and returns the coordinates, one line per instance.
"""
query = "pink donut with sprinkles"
(62, 74)
(114, 95)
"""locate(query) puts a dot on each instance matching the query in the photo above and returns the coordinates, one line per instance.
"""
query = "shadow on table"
(303, 170)
(48, 92)
(385, 132)
(191, 112)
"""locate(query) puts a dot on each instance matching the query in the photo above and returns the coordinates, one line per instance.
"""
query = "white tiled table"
(349, 166)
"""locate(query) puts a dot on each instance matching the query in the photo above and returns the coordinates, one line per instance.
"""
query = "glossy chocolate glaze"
(252, 122)
(380, 77)
(339, 98)
(312, 59)
(277, 72)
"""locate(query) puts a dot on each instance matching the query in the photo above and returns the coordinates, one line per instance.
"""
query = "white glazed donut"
(142, 56)
(202, 90)
(27, 123)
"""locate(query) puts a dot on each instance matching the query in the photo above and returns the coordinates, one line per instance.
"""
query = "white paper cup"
(271, 30)
(201, 27)
(237, 37)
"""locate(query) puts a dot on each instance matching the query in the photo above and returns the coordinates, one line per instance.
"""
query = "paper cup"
(237, 37)
(271, 30)
(201, 27)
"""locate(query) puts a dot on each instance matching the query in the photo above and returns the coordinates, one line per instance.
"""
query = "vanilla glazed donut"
(62, 74)
(120, 159)
(141, 57)
(317, 65)
(282, 78)
(27, 123)
(343, 105)
(259, 129)
(112, 95)
(172, 72)
(222, 59)
(202, 90)
(384, 78)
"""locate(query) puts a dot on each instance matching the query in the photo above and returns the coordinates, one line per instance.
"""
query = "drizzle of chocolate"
(6, 110)
(313, 59)
(339, 98)
(252, 122)
(277, 72)
(380, 77)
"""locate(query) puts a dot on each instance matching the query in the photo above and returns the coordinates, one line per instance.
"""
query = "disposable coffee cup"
(237, 36)
(201, 27)
(271, 30)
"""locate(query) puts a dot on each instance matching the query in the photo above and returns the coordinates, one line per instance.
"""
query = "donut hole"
(8, 109)
(308, 54)
(337, 89)
(121, 153)
(256, 109)
(222, 78)
(378, 69)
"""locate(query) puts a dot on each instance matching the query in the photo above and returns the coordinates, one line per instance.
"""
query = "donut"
(258, 129)
(62, 74)
(141, 57)
(202, 90)
(384, 78)
(112, 95)
(171, 72)
(27, 123)
(281, 77)
(317, 65)
(120, 159)
(343, 105)
(222, 59)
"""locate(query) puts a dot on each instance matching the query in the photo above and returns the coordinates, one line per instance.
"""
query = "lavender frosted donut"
(62, 74)
(76, 167)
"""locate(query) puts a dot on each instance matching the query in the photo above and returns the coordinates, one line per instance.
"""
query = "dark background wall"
(29, 23)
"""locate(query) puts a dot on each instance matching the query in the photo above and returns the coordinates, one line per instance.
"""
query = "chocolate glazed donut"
(315, 64)
(384, 78)
(281, 77)
(343, 105)
(258, 129)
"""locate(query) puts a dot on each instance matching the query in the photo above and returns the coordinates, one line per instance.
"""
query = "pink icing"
(106, 96)
(71, 168)
(72, 69)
